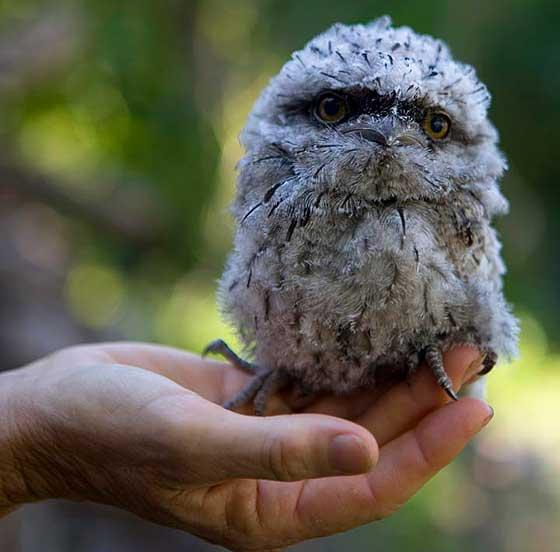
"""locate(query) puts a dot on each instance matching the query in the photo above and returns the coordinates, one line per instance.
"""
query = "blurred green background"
(118, 126)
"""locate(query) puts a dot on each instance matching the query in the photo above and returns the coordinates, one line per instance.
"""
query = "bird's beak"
(386, 132)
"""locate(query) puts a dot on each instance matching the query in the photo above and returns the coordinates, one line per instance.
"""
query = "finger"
(411, 460)
(403, 405)
(357, 403)
(405, 465)
(213, 380)
(224, 445)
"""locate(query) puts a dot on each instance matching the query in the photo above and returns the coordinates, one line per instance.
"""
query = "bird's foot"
(260, 387)
(258, 390)
(434, 359)
(220, 347)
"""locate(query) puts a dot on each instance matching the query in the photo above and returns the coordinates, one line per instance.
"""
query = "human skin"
(139, 427)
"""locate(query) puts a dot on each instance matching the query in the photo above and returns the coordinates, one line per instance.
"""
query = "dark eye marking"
(336, 106)
(339, 105)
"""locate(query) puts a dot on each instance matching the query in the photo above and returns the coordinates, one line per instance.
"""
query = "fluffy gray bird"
(364, 243)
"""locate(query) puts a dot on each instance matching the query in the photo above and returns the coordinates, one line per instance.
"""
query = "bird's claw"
(434, 359)
(451, 394)
(220, 347)
(213, 347)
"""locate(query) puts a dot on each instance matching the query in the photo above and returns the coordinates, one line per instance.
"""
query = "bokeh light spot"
(94, 293)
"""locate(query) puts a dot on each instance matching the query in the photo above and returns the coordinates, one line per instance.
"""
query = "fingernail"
(474, 368)
(489, 417)
(349, 454)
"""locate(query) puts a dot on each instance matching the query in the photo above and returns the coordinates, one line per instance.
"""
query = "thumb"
(283, 448)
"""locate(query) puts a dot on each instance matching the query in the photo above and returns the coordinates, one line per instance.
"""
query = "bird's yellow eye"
(437, 125)
(331, 108)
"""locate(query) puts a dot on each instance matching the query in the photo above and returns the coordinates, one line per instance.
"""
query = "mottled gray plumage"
(365, 245)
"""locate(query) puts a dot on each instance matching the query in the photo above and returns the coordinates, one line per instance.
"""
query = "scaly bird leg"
(259, 388)
(275, 381)
(220, 347)
(434, 359)
(250, 393)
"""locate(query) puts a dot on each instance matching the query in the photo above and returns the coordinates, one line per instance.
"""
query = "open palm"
(140, 427)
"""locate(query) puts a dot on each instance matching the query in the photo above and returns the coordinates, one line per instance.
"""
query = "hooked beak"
(388, 132)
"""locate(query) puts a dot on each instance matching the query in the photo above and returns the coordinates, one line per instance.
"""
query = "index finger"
(402, 406)
(329, 505)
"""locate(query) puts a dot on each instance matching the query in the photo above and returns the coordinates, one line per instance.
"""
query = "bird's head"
(372, 112)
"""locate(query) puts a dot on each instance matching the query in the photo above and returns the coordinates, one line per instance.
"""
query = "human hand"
(140, 427)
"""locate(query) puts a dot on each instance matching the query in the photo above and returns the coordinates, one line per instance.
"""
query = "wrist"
(28, 449)
(13, 489)
(45, 451)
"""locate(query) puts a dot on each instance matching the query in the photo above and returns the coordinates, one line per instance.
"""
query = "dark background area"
(118, 134)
